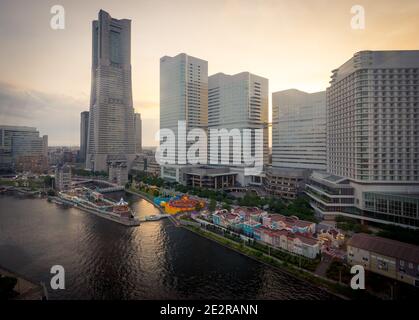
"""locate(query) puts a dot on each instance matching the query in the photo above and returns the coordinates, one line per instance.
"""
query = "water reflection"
(104, 260)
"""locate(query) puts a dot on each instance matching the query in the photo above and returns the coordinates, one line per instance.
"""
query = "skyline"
(47, 71)
(283, 134)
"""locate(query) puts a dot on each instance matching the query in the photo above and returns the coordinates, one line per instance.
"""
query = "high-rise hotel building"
(240, 102)
(299, 129)
(372, 140)
(183, 97)
(111, 124)
(298, 141)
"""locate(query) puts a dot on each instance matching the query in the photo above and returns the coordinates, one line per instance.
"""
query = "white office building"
(183, 97)
(372, 140)
(240, 102)
(299, 129)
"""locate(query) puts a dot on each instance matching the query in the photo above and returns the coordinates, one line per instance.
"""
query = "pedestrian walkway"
(323, 265)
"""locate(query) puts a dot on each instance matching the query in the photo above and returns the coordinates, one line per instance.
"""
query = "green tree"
(212, 205)
(226, 206)
(48, 181)
(51, 193)
(400, 234)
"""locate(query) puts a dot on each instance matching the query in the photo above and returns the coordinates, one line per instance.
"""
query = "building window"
(382, 265)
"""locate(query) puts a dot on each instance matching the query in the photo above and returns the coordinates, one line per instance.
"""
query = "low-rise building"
(225, 219)
(250, 213)
(249, 227)
(332, 196)
(118, 172)
(209, 177)
(292, 242)
(62, 177)
(290, 223)
(146, 162)
(287, 183)
(63, 154)
(331, 238)
(390, 258)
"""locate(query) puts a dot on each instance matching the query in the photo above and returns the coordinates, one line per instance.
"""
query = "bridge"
(154, 217)
(111, 187)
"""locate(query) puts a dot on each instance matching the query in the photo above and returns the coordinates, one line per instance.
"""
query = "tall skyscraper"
(84, 132)
(241, 102)
(372, 140)
(111, 118)
(373, 117)
(138, 133)
(299, 129)
(183, 97)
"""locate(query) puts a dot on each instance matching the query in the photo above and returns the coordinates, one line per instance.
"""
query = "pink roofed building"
(292, 242)
(226, 219)
(292, 223)
(250, 213)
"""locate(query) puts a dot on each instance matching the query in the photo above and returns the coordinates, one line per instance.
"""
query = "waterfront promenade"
(105, 215)
(145, 263)
(311, 278)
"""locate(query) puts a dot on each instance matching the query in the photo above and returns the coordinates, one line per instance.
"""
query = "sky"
(45, 74)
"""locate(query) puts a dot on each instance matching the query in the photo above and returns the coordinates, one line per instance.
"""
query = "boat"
(155, 217)
(152, 217)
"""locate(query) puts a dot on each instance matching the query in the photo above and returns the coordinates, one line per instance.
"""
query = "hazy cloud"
(58, 116)
(54, 115)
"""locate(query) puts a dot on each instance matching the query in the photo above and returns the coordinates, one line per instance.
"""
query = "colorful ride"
(179, 204)
(122, 208)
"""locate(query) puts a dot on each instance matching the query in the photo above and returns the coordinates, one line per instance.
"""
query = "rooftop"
(304, 239)
(387, 247)
(290, 220)
(287, 172)
(208, 171)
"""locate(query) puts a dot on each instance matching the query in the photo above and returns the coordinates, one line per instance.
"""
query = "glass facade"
(391, 207)
(115, 46)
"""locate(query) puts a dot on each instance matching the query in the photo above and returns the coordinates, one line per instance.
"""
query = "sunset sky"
(45, 73)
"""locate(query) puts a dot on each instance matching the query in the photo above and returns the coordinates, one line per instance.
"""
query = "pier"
(107, 215)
